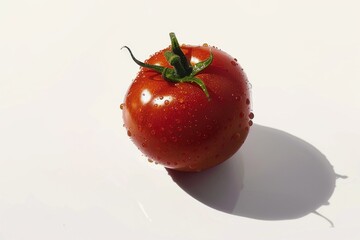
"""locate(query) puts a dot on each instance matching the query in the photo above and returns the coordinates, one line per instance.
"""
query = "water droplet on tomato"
(143, 145)
(235, 59)
(205, 45)
(233, 63)
(236, 136)
(122, 106)
(241, 115)
(167, 102)
(129, 133)
(247, 101)
(150, 160)
(251, 115)
(250, 123)
(161, 98)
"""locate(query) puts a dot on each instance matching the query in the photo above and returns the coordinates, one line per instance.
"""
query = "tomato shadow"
(274, 176)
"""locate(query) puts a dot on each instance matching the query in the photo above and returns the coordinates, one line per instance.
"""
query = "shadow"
(274, 176)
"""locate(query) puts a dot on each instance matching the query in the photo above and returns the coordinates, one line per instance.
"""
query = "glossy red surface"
(176, 125)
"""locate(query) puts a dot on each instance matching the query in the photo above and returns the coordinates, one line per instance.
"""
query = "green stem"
(175, 48)
(175, 61)
(182, 71)
(157, 68)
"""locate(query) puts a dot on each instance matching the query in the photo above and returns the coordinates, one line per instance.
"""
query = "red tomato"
(177, 124)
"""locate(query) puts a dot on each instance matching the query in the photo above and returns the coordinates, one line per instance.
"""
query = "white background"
(69, 171)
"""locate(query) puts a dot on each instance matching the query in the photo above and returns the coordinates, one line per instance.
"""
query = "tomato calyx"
(182, 71)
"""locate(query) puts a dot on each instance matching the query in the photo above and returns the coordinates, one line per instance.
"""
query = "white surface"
(69, 171)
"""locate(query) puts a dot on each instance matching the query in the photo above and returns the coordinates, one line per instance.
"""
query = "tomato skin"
(176, 125)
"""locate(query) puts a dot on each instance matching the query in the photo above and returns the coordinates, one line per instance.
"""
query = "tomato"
(188, 125)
